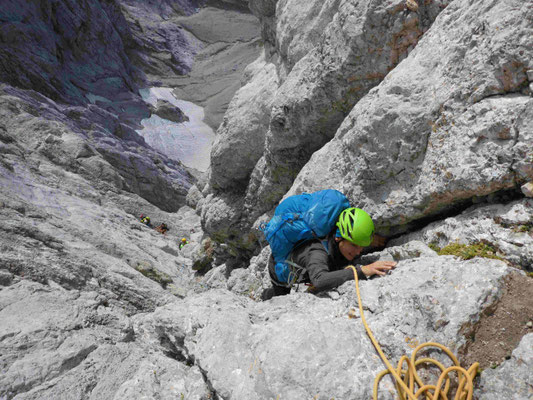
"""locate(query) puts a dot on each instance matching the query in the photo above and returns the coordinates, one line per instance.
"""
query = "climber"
(145, 220)
(322, 263)
(162, 228)
(183, 243)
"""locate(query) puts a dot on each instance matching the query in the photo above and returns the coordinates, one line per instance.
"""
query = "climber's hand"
(378, 268)
(378, 241)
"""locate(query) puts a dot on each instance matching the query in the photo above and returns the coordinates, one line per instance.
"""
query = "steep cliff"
(419, 111)
(410, 113)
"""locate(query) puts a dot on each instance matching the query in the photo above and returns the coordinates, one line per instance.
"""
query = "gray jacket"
(324, 269)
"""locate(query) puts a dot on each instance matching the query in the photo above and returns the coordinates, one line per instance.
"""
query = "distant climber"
(322, 263)
(163, 228)
(183, 242)
(145, 220)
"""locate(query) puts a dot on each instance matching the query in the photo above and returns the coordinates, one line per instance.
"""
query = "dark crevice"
(502, 196)
(518, 90)
(176, 350)
(73, 362)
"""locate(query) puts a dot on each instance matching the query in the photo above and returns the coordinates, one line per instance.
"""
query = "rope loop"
(407, 380)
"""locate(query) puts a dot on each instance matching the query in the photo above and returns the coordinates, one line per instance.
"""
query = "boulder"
(193, 197)
(238, 144)
(166, 110)
(527, 189)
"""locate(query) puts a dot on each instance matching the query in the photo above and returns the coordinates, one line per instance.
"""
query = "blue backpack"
(300, 218)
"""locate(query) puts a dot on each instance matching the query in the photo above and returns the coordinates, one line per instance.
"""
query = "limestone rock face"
(71, 52)
(238, 144)
(228, 35)
(328, 56)
(94, 304)
(286, 347)
(449, 123)
(71, 251)
(90, 142)
(506, 228)
(158, 45)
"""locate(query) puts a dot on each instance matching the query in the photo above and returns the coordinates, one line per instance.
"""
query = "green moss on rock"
(154, 274)
(468, 251)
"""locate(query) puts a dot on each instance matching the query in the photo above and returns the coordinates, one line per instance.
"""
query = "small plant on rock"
(467, 251)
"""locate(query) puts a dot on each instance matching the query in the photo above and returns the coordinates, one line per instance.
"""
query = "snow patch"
(189, 142)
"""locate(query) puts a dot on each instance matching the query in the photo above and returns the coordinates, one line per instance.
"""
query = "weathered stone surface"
(347, 59)
(238, 144)
(90, 142)
(71, 52)
(59, 343)
(69, 252)
(284, 346)
(512, 380)
(158, 45)
(444, 126)
(166, 110)
(508, 228)
(337, 56)
(527, 189)
(221, 215)
(80, 321)
(202, 255)
(193, 196)
(411, 249)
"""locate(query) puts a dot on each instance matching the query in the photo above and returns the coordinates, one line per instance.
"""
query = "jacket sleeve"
(315, 261)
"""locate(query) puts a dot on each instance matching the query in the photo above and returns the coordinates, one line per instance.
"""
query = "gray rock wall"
(328, 56)
(90, 142)
(448, 118)
(73, 258)
(513, 379)
(449, 123)
(70, 51)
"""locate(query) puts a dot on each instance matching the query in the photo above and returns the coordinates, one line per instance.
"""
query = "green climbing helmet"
(356, 226)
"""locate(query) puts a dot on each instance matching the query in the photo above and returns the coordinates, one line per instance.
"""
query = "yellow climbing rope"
(406, 379)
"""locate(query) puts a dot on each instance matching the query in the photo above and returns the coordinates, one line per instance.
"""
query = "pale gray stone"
(193, 197)
(71, 52)
(216, 278)
(445, 125)
(78, 319)
(92, 143)
(411, 249)
(325, 67)
(505, 227)
(527, 189)
(285, 346)
(239, 141)
(229, 38)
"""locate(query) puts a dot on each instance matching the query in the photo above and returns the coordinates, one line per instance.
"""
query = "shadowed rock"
(166, 110)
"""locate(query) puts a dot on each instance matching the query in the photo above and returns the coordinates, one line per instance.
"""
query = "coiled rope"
(405, 380)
